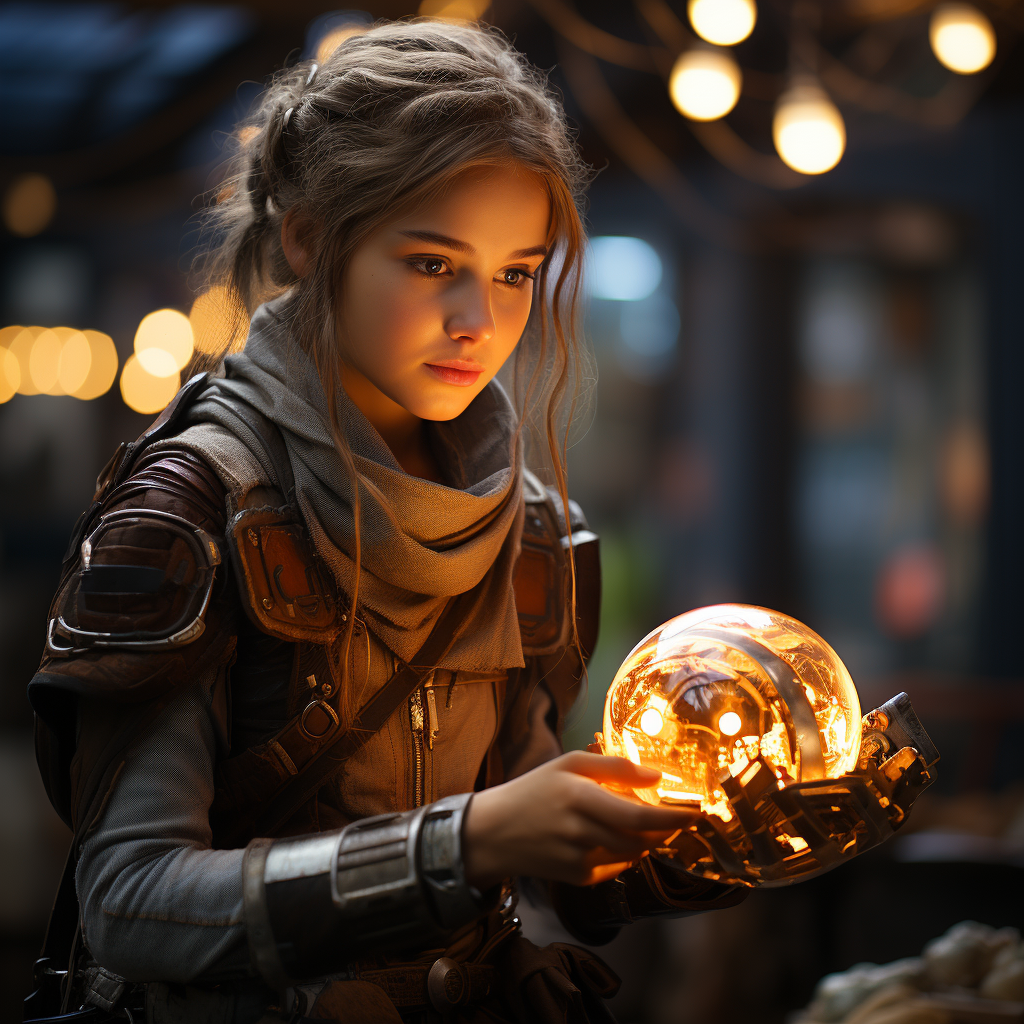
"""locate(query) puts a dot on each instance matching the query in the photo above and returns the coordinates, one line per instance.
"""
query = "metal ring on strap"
(332, 723)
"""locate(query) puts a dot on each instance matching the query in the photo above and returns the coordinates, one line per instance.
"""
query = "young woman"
(315, 640)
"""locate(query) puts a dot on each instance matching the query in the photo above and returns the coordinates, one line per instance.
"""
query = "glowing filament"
(729, 724)
(652, 722)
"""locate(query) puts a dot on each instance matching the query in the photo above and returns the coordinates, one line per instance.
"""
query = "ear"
(296, 235)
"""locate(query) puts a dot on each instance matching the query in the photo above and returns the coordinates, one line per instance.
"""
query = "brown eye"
(433, 267)
(513, 277)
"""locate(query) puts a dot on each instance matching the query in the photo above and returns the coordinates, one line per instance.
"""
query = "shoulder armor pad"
(284, 589)
(543, 582)
(143, 581)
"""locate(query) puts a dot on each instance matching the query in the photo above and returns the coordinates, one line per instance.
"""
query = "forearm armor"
(594, 914)
(313, 903)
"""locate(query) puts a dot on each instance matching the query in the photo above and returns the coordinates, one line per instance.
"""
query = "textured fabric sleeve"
(159, 904)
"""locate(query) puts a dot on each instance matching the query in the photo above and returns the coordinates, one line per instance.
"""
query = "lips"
(457, 372)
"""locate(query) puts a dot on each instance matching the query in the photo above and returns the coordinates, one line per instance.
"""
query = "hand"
(560, 822)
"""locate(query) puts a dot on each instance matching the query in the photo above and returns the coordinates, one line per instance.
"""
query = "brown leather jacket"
(158, 553)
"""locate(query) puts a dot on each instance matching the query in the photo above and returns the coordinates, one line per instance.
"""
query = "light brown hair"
(389, 119)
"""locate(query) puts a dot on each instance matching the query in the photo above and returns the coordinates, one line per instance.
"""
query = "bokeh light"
(21, 348)
(44, 362)
(623, 268)
(910, 590)
(333, 38)
(144, 391)
(29, 205)
(962, 38)
(10, 375)
(808, 129)
(75, 360)
(102, 367)
(722, 22)
(57, 361)
(454, 10)
(218, 324)
(705, 84)
(168, 331)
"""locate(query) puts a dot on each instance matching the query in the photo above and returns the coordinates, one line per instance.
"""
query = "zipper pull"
(431, 717)
(416, 710)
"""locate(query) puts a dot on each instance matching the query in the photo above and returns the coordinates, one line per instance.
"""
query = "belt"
(442, 985)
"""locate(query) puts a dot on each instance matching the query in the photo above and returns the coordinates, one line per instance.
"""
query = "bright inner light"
(652, 722)
(705, 84)
(809, 132)
(962, 38)
(729, 724)
(722, 22)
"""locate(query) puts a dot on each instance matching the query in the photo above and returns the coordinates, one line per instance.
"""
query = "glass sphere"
(713, 689)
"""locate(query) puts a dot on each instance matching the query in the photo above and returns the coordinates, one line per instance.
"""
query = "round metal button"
(447, 984)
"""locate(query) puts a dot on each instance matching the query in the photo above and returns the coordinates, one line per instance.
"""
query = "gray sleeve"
(158, 904)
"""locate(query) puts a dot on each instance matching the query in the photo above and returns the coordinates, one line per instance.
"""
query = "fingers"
(631, 815)
(613, 770)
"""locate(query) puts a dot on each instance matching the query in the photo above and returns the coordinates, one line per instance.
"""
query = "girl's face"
(434, 302)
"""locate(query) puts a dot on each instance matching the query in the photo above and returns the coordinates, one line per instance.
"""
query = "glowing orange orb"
(714, 689)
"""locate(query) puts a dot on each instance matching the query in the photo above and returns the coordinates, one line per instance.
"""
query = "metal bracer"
(315, 902)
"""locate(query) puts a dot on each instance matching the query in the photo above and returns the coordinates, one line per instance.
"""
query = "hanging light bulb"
(705, 84)
(808, 129)
(722, 22)
(962, 38)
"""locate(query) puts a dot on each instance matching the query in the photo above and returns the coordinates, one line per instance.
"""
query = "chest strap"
(273, 780)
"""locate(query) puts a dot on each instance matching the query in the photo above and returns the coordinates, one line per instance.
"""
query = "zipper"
(416, 721)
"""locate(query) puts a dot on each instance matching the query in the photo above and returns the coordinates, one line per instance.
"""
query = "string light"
(722, 22)
(962, 38)
(29, 205)
(169, 333)
(808, 129)
(705, 84)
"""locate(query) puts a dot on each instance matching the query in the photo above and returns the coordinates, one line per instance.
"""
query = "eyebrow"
(459, 246)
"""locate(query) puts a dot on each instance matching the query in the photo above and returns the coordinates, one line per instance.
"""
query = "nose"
(470, 319)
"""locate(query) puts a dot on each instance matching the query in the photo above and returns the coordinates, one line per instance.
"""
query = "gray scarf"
(422, 542)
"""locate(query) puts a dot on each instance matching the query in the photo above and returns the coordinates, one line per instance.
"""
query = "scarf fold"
(422, 542)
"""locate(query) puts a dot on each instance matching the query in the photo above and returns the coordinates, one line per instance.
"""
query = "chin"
(444, 407)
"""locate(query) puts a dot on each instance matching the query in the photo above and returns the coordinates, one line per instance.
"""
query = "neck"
(404, 433)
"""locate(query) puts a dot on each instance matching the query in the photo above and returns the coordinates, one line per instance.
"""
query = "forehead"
(495, 209)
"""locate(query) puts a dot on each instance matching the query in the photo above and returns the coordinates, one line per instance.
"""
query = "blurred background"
(806, 306)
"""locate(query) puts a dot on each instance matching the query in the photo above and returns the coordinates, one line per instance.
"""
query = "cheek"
(514, 314)
(382, 315)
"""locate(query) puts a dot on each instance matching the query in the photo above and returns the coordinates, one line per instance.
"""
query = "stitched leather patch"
(288, 593)
(540, 584)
